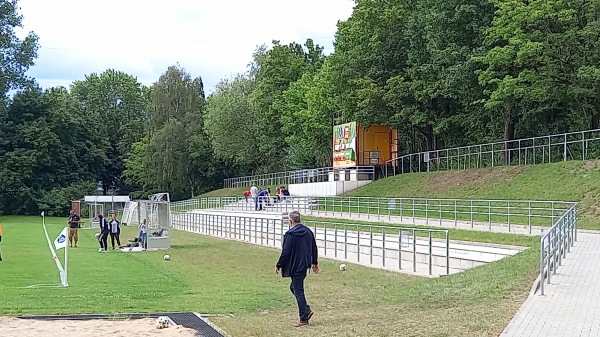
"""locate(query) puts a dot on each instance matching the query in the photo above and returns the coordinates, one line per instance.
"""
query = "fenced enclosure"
(510, 215)
(555, 243)
(156, 215)
(302, 176)
(582, 145)
(423, 251)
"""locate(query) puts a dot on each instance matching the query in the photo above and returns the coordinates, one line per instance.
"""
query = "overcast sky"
(209, 38)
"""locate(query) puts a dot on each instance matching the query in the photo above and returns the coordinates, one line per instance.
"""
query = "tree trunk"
(595, 121)
(509, 134)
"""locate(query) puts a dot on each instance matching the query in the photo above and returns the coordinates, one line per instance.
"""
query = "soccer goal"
(156, 211)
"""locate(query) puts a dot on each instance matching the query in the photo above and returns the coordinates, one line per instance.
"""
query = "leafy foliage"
(444, 74)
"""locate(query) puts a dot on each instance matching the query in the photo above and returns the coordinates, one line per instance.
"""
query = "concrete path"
(571, 306)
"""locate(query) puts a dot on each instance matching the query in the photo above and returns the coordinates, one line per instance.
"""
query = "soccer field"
(213, 276)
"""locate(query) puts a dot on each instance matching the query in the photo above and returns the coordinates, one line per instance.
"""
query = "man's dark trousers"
(297, 288)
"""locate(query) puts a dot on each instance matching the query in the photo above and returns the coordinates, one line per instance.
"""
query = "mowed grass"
(209, 275)
(577, 181)
(566, 181)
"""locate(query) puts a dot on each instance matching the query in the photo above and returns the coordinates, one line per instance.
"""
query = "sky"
(213, 39)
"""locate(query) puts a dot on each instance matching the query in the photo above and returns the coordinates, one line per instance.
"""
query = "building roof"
(107, 198)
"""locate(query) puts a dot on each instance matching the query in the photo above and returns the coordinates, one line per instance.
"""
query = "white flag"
(42, 213)
(61, 240)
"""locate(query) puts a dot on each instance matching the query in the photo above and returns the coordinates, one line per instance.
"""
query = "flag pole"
(65, 282)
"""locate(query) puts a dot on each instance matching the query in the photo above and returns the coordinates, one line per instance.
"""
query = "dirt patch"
(590, 206)
(451, 179)
(586, 166)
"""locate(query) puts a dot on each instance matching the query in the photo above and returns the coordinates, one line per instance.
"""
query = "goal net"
(156, 211)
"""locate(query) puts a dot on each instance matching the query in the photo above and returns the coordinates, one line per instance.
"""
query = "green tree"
(17, 55)
(175, 156)
(275, 71)
(48, 148)
(114, 103)
(230, 122)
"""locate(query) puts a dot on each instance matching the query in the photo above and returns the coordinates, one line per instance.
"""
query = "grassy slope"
(216, 276)
(567, 181)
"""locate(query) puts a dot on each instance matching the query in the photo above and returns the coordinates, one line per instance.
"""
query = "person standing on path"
(104, 230)
(115, 231)
(73, 222)
(254, 193)
(143, 233)
(298, 254)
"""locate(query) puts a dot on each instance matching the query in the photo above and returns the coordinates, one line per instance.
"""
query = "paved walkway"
(571, 306)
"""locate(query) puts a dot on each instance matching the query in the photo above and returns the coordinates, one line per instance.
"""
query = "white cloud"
(212, 39)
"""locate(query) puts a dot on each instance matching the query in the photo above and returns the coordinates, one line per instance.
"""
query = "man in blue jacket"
(299, 253)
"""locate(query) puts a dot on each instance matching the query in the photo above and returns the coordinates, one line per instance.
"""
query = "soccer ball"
(167, 257)
(162, 322)
(343, 267)
(97, 235)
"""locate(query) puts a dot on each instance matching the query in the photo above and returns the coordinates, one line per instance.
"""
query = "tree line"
(444, 74)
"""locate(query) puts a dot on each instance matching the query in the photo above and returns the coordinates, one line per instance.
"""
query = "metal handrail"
(301, 176)
(436, 211)
(381, 242)
(525, 151)
(555, 243)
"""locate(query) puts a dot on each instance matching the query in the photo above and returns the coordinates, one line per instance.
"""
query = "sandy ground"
(15, 327)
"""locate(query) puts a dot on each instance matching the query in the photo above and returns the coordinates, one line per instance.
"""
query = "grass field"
(215, 276)
(565, 181)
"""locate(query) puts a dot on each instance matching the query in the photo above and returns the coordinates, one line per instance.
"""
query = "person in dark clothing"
(115, 231)
(73, 222)
(298, 254)
(104, 230)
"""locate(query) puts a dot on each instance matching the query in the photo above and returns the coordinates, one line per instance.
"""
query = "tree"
(175, 155)
(114, 103)
(234, 139)
(16, 55)
(275, 71)
(47, 149)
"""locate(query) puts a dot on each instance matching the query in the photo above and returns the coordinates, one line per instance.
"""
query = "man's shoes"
(310, 314)
(300, 324)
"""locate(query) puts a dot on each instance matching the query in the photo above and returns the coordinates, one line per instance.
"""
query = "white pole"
(65, 282)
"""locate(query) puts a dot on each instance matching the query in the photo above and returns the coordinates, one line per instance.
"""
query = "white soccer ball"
(97, 235)
(343, 267)
(162, 322)
(167, 257)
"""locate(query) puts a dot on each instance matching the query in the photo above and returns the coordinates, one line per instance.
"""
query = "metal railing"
(380, 246)
(555, 243)
(581, 145)
(303, 176)
(508, 215)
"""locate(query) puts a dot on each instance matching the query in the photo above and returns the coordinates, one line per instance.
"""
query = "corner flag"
(61, 240)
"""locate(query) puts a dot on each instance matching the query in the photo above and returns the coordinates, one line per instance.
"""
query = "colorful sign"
(344, 145)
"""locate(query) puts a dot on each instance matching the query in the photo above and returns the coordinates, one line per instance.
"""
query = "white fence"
(581, 145)
(303, 176)
(524, 215)
(423, 251)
